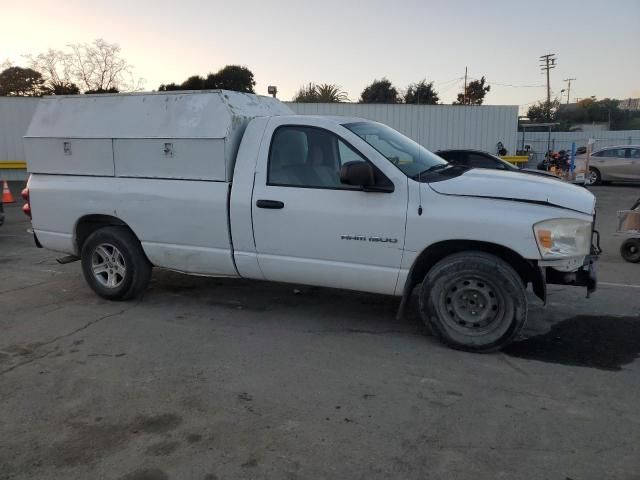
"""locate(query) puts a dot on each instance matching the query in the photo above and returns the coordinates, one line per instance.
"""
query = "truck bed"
(182, 224)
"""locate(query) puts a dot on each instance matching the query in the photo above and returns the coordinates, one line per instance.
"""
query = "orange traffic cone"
(6, 193)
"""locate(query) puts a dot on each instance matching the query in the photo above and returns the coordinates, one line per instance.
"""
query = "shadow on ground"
(602, 342)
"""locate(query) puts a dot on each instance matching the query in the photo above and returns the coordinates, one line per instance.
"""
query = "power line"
(515, 86)
(448, 81)
(456, 84)
(507, 84)
(531, 103)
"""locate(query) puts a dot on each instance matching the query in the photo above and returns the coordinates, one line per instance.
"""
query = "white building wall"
(15, 115)
(434, 126)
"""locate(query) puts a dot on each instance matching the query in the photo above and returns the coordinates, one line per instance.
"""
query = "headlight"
(563, 237)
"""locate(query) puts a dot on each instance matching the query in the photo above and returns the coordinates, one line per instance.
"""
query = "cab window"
(309, 157)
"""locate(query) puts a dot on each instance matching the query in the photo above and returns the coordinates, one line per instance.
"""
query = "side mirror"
(359, 174)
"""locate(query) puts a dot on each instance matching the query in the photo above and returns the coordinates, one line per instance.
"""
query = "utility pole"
(568, 88)
(548, 62)
(464, 95)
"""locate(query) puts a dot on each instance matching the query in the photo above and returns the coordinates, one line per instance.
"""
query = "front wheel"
(473, 301)
(114, 264)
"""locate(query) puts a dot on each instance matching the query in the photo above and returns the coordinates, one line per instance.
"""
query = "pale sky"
(289, 43)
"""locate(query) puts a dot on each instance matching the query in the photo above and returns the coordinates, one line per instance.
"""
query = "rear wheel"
(594, 177)
(630, 250)
(473, 301)
(114, 265)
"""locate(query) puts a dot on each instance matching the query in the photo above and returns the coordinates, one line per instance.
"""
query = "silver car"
(615, 164)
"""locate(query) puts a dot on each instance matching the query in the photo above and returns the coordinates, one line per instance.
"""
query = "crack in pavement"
(60, 337)
(513, 365)
(26, 286)
(26, 362)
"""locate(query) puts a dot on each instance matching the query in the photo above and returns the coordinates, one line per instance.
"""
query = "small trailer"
(629, 225)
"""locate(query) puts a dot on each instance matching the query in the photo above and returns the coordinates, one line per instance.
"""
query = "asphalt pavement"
(209, 378)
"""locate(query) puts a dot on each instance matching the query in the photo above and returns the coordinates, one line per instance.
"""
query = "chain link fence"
(540, 142)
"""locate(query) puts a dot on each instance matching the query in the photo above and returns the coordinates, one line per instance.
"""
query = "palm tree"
(322, 93)
(331, 93)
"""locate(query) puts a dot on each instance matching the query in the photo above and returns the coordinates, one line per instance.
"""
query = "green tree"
(587, 110)
(306, 94)
(231, 77)
(421, 93)
(322, 93)
(63, 89)
(590, 110)
(544, 112)
(380, 91)
(21, 82)
(169, 87)
(194, 82)
(331, 93)
(476, 91)
(103, 90)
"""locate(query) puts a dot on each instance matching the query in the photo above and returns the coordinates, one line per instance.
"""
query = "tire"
(473, 301)
(114, 264)
(630, 250)
(594, 177)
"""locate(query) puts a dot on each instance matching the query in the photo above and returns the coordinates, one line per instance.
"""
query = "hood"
(515, 186)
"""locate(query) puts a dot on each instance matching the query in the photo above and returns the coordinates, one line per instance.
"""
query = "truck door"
(309, 228)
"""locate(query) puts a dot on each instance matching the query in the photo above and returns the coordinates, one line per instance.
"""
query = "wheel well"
(431, 255)
(90, 223)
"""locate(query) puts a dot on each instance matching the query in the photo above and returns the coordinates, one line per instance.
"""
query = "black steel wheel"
(473, 301)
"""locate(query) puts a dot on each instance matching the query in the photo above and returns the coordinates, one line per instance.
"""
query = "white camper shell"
(159, 162)
(186, 135)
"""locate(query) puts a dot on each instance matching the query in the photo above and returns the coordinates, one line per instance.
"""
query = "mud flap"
(539, 284)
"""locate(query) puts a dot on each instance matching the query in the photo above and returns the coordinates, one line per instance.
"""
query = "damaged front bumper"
(584, 276)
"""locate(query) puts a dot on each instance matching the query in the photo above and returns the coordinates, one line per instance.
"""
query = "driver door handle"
(271, 204)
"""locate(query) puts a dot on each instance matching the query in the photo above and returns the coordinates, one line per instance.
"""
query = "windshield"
(410, 157)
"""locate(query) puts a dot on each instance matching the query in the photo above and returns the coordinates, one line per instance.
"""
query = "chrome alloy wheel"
(108, 265)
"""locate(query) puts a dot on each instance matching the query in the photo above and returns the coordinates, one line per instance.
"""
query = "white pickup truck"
(227, 184)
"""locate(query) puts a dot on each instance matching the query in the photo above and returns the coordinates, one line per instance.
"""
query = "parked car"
(480, 159)
(229, 184)
(614, 164)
